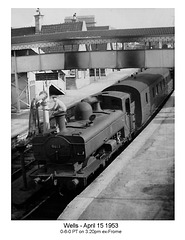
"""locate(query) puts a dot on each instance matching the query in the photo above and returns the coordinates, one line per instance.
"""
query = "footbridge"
(119, 48)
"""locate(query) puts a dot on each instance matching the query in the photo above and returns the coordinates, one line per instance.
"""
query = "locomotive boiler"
(100, 125)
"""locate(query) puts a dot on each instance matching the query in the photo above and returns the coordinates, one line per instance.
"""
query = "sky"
(115, 17)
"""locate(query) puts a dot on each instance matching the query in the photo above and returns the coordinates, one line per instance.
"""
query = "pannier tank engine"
(99, 126)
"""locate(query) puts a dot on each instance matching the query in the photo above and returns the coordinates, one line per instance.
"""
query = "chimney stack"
(74, 18)
(38, 21)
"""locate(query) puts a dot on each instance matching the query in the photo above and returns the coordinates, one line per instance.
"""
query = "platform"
(19, 121)
(139, 184)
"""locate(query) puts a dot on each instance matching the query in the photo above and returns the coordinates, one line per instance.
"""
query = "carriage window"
(146, 95)
(161, 86)
(157, 88)
(153, 91)
(127, 105)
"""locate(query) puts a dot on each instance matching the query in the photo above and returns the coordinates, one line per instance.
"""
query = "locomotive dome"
(83, 111)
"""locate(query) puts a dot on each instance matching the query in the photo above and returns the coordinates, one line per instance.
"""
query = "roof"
(161, 71)
(22, 31)
(143, 79)
(114, 94)
(98, 28)
(140, 81)
(101, 46)
(51, 29)
(48, 29)
(81, 35)
(63, 27)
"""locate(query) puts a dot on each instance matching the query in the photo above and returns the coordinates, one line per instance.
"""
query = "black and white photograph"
(92, 121)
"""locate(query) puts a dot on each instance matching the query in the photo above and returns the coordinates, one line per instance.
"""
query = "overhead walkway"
(93, 59)
(116, 55)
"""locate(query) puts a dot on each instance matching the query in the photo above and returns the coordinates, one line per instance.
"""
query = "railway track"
(49, 206)
(17, 164)
(26, 209)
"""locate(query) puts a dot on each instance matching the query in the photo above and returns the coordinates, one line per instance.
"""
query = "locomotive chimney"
(61, 122)
(74, 18)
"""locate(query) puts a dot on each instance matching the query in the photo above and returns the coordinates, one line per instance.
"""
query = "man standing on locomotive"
(58, 109)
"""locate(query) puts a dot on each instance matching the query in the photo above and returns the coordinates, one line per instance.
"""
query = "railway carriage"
(147, 90)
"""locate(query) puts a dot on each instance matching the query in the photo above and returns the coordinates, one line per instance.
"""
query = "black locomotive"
(100, 125)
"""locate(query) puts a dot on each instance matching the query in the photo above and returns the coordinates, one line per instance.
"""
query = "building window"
(91, 72)
(102, 71)
(97, 72)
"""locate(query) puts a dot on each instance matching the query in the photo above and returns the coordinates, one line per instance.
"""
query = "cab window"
(127, 105)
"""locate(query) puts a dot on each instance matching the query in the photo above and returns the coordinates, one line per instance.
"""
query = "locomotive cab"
(120, 101)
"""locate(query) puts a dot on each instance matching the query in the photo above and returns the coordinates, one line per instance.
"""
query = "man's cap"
(54, 96)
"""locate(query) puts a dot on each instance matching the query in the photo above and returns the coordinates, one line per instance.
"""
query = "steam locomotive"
(101, 124)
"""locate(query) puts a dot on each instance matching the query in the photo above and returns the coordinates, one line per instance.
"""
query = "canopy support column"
(16, 84)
